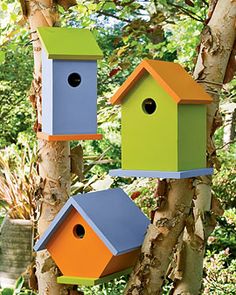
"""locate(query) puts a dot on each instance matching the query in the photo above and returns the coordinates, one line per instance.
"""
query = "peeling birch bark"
(161, 239)
(229, 110)
(54, 157)
(218, 39)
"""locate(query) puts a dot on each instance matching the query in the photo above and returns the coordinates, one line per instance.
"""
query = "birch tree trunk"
(54, 157)
(217, 45)
(175, 197)
(229, 110)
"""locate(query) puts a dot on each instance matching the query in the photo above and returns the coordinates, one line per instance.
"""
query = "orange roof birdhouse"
(95, 237)
(163, 122)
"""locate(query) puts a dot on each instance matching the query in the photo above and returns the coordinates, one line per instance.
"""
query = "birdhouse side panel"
(77, 250)
(121, 262)
(74, 97)
(192, 137)
(47, 107)
(149, 128)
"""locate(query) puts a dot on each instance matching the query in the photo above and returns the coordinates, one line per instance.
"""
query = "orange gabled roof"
(172, 77)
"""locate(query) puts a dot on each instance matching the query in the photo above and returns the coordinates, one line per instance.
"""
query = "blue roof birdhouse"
(69, 84)
(95, 237)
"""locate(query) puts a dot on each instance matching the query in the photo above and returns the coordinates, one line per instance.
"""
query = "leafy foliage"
(220, 272)
(19, 289)
(16, 113)
(19, 182)
(16, 67)
(224, 182)
(127, 31)
(115, 287)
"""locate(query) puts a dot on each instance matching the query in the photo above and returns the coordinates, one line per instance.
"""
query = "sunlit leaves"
(10, 15)
(2, 56)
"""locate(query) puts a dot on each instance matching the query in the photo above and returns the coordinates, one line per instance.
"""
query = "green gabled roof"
(69, 43)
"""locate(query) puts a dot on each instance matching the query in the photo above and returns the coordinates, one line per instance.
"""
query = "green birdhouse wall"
(158, 131)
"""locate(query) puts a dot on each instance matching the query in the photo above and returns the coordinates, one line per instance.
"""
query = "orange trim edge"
(68, 137)
(147, 65)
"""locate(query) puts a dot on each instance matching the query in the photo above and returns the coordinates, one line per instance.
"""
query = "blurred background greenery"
(127, 32)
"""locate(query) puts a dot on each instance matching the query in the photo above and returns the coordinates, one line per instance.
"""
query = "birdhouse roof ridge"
(176, 81)
(120, 234)
(69, 43)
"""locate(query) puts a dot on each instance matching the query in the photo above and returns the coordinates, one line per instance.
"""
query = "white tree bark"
(229, 110)
(174, 200)
(174, 210)
(54, 157)
(217, 44)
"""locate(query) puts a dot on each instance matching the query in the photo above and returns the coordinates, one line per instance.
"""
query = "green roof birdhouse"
(69, 84)
(163, 122)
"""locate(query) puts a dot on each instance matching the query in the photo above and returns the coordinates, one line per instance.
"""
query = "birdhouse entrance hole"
(74, 79)
(149, 106)
(79, 231)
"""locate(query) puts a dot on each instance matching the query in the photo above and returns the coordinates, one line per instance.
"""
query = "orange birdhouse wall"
(87, 256)
(95, 237)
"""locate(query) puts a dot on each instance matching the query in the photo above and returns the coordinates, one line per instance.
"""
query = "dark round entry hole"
(79, 231)
(74, 79)
(149, 106)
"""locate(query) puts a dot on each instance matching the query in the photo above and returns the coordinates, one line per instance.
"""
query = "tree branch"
(187, 12)
(224, 145)
(105, 13)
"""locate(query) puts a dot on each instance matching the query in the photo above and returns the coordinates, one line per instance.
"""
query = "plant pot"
(16, 244)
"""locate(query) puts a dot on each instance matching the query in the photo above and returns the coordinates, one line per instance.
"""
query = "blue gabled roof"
(115, 218)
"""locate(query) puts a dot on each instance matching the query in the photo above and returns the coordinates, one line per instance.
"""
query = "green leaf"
(7, 291)
(2, 57)
(109, 5)
(4, 6)
(13, 16)
(19, 285)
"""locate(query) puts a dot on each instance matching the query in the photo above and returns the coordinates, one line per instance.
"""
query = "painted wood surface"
(66, 109)
(191, 137)
(121, 229)
(161, 174)
(149, 142)
(69, 137)
(113, 232)
(85, 257)
(172, 136)
(91, 281)
(121, 262)
(171, 76)
(69, 43)
(47, 93)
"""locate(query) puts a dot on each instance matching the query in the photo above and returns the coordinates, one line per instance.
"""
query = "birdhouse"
(95, 237)
(163, 122)
(69, 84)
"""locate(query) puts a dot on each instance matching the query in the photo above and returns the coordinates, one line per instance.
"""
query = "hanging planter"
(16, 241)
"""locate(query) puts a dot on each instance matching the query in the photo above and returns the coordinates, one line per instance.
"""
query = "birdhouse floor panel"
(161, 174)
(68, 137)
(91, 281)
